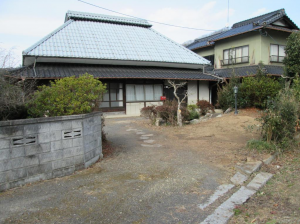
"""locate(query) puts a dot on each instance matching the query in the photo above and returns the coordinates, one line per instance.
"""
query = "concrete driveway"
(144, 182)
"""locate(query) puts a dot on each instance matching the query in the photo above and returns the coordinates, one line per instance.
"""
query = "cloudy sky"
(24, 22)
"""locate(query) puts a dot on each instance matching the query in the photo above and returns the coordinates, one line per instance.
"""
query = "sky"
(24, 22)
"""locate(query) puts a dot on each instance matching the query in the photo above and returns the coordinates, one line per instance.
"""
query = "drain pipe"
(213, 75)
(34, 66)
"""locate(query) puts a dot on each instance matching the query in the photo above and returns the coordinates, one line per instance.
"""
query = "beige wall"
(252, 39)
(205, 51)
(192, 92)
(278, 38)
(259, 47)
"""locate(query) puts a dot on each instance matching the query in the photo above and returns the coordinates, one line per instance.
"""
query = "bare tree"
(15, 91)
(177, 86)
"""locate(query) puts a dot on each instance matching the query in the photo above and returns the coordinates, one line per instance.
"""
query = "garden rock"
(195, 121)
(228, 110)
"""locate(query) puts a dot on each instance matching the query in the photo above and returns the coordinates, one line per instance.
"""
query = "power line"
(166, 24)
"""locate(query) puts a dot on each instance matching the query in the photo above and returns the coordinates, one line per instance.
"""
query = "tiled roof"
(247, 71)
(106, 18)
(60, 70)
(111, 40)
(246, 26)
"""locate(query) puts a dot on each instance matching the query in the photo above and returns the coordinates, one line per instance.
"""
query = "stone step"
(249, 167)
(259, 180)
(220, 191)
(239, 178)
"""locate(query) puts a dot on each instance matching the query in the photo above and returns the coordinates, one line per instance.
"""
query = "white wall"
(192, 92)
(204, 90)
(134, 109)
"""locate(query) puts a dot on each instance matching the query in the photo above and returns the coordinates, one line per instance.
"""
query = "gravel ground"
(137, 185)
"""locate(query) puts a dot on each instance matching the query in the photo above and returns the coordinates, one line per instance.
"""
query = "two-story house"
(246, 44)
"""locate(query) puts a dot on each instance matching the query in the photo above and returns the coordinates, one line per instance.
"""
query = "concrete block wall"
(45, 148)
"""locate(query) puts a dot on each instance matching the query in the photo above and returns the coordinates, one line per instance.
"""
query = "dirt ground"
(220, 140)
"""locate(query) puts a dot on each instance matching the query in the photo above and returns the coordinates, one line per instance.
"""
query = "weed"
(237, 211)
(261, 145)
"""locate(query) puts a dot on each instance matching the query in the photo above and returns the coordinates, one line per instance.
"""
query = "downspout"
(34, 66)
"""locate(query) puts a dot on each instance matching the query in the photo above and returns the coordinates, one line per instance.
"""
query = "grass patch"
(261, 145)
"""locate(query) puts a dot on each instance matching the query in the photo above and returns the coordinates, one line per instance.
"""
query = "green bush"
(67, 96)
(193, 113)
(252, 92)
(279, 119)
(255, 91)
(292, 59)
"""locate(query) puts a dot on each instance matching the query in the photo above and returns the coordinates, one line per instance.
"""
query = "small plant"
(193, 113)
(261, 145)
(205, 106)
(67, 96)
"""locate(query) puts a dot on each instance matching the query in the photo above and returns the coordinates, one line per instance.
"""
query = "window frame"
(277, 61)
(108, 88)
(234, 59)
(146, 84)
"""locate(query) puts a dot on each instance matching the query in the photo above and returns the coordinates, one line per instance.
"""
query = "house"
(246, 44)
(126, 53)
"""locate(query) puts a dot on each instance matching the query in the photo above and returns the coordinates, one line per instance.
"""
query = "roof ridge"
(26, 51)
(244, 22)
(106, 18)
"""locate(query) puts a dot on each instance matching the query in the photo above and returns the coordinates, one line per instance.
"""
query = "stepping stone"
(140, 133)
(144, 137)
(220, 191)
(148, 135)
(149, 141)
(259, 180)
(225, 211)
(249, 167)
(238, 178)
(151, 146)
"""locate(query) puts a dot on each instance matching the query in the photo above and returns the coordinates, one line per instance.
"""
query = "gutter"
(213, 75)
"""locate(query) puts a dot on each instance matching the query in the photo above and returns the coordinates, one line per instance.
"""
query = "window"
(236, 55)
(277, 53)
(114, 96)
(147, 92)
(211, 58)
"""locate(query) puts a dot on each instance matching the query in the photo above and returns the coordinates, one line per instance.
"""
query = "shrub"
(168, 112)
(256, 90)
(67, 96)
(279, 119)
(193, 113)
(149, 112)
(253, 91)
(225, 93)
(205, 106)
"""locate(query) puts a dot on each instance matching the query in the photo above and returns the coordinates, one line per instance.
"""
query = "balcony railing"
(276, 58)
(238, 60)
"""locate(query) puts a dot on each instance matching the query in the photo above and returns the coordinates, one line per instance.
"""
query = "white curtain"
(238, 53)
(139, 92)
(149, 92)
(130, 95)
(274, 52)
(245, 54)
(281, 53)
(157, 92)
(226, 53)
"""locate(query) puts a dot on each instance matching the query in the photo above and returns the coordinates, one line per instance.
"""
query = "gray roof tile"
(59, 70)
(95, 39)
